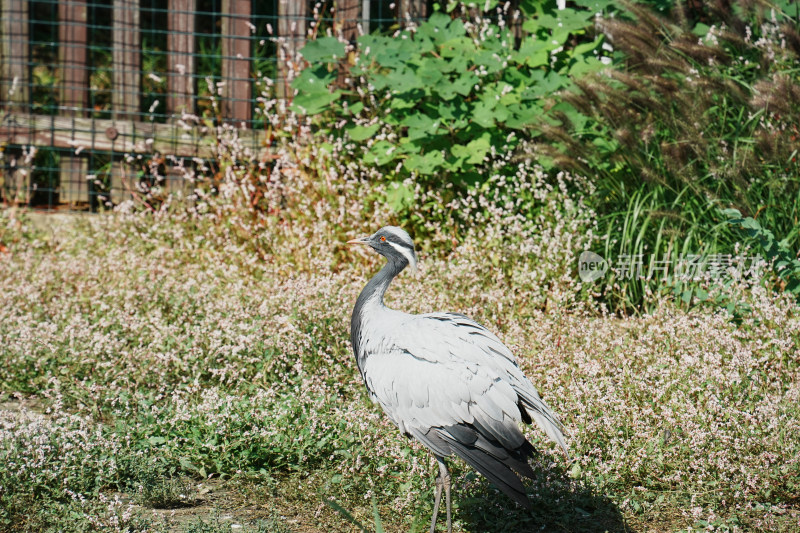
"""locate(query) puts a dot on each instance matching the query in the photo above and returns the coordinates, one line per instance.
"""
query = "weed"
(220, 524)
(156, 486)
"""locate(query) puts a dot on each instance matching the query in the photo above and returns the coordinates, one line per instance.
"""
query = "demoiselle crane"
(446, 381)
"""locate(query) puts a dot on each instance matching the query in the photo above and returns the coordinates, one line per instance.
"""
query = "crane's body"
(446, 381)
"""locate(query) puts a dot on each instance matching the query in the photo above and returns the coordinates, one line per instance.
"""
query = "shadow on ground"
(559, 504)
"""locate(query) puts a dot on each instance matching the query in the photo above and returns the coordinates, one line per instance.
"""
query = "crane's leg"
(442, 481)
(436, 501)
(447, 495)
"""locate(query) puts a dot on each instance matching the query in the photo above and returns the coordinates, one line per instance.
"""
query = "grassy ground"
(152, 380)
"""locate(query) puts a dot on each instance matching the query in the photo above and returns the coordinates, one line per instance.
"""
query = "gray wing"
(455, 387)
(477, 344)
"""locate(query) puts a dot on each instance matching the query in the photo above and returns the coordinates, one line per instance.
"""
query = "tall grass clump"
(699, 113)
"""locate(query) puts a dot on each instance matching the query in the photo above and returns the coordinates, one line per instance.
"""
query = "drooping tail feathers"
(496, 463)
(545, 419)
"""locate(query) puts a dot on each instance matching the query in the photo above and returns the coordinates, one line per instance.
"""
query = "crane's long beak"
(362, 240)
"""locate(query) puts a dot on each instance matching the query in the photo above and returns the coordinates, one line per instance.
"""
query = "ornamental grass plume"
(680, 86)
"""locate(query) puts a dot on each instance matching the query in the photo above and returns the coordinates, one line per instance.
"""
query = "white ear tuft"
(408, 254)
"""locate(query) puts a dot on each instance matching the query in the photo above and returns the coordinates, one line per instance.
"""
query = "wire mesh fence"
(94, 93)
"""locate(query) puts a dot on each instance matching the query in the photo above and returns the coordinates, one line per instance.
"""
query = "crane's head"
(393, 243)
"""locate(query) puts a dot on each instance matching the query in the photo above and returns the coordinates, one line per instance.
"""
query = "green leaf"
(574, 20)
(534, 52)
(483, 113)
(461, 153)
(362, 133)
(785, 265)
(585, 65)
(403, 100)
(488, 60)
(686, 296)
(314, 103)
(478, 149)
(430, 71)
(314, 80)
(462, 85)
(510, 97)
(598, 6)
(400, 80)
(454, 112)
(426, 164)
(188, 466)
(399, 197)
(750, 223)
(587, 48)
(549, 84)
(376, 517)
(439, 28)
(565, 20)
(323, 49)
(731, 213)
(559, 38)
(523, 115)
(356, 108)
(313, 95)
(389, 52)
(700, 29)
(457, 49)
(380, 153)
(420, 126)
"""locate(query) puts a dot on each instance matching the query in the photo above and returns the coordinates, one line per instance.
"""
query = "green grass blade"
(345, 514)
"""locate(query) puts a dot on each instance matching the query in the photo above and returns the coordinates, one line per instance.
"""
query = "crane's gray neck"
(370, 302)
(373, 293)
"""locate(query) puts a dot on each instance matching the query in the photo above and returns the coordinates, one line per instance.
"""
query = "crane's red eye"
(383, 239)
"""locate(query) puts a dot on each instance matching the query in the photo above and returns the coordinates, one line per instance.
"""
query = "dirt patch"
(214, 500)
(19, 405)
(234, 503)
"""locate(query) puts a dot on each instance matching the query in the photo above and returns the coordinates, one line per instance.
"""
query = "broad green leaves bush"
(438, 101)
